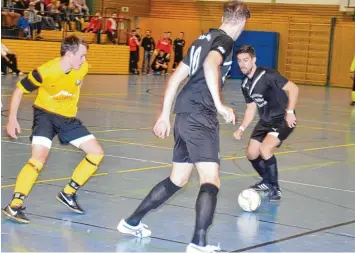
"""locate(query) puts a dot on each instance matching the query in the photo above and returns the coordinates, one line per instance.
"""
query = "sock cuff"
(94, 159)
(271, 160)
(35, 164)
(255, 160)
(210, 188)
(170, 186)
(74, 184)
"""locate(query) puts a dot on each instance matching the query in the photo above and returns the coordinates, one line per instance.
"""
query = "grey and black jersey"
(195, 96)
(265, 89)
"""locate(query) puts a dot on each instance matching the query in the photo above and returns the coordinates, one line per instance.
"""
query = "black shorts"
(48, 125)
(279, 130)
(196, 138)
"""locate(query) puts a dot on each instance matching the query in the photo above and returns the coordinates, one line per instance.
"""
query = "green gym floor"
(316, 164)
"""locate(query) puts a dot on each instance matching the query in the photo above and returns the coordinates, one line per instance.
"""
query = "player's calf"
(86, 168)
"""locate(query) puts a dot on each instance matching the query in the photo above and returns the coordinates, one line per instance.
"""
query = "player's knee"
(212, 179)
(179, 180)
(252, 154)
(99, 151)
(265, 151)
(40, 157)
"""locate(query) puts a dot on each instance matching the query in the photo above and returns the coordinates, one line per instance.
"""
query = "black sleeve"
(275, 79)
(223, 44)
(143, 42)
(247, 98)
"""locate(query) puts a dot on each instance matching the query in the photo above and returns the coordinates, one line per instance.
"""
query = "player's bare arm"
(292, 91)
(13, 127)
(248, 118)
(212, 73)
(162, 126)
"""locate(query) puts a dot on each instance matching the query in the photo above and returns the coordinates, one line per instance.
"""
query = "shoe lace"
(140, 229)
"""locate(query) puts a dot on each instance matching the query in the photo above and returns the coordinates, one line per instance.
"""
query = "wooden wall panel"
(136, 7)
(100, 62)
(343, 53)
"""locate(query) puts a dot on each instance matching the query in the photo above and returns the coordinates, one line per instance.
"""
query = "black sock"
(205, 207)
(157, 196)
(259, 166)
(271, 166)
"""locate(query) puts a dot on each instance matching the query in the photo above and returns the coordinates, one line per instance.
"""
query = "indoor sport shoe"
(16, 214)
(141, 230)
(261, 186)
(275, 194)
(193, 248)
(70, 201)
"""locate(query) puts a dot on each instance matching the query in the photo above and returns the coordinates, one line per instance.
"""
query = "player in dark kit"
(196, 129)
(275, 98)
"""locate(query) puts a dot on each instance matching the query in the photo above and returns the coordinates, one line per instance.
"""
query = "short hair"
(235, 10)
(72, 44)
(182, 32)
(246, 49)
(133, 31)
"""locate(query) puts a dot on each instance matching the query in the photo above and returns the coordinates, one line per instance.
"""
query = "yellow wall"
(102, 59)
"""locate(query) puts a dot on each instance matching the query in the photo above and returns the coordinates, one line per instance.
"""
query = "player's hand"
(161, 128)
(13, 128)
(291, 120)
(238, 134)
(227, 113)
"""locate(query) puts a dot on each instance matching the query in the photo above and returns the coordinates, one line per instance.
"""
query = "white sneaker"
(193, 248)
(141, 230)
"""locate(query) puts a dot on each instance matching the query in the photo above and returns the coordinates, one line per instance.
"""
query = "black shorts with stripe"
(279, 129)
(46, 124)
(196, 138)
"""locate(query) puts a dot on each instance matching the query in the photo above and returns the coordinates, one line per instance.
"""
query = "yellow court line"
(135, 144)
(324, 128)
(96, 175)
(300, 150)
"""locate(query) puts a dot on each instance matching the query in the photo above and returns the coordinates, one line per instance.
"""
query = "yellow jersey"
(58, 92)
(352, 67)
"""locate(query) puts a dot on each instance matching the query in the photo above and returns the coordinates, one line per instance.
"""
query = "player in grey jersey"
(196, 128)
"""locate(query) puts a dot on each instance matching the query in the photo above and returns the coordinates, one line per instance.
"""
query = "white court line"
(79, 151)
(317, 186)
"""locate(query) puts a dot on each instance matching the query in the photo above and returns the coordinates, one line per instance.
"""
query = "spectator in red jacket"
(95, 24)
(133, 48)
(111, 28)
(165, 45)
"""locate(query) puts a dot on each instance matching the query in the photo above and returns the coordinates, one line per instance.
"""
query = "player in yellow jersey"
(352, 76)
(58, 83)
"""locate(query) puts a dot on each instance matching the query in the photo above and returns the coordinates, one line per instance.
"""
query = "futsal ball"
(249, 200)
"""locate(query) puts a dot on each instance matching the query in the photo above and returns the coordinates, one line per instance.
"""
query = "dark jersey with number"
(265, 89)
(195, 96)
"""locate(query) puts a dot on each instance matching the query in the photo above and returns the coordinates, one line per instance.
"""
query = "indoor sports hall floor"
(317, 172)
